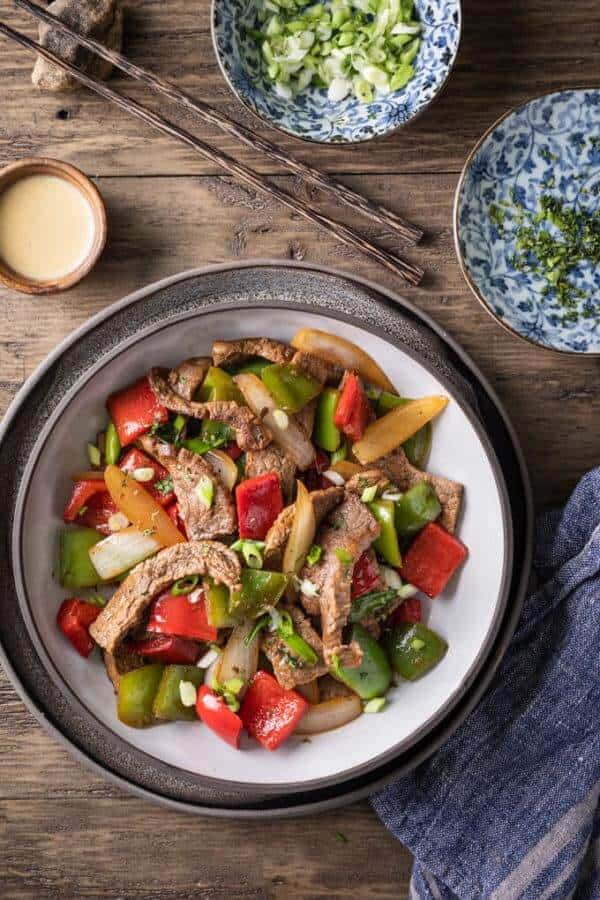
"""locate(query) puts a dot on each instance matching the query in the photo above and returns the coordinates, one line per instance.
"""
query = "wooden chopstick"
(369, 208)
(410, 273)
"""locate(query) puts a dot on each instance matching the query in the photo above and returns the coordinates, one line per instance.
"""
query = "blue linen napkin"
(508, 808)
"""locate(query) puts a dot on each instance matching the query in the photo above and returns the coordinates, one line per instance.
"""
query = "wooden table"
(63, 831)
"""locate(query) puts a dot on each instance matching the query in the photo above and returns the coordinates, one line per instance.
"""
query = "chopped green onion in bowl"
(364, 48)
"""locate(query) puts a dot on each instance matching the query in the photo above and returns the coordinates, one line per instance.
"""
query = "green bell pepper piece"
(167, 704)
(372, 677)
(218, 385)
(290, 388)
(387, 542)
(414, 649)
(135, 698)
(416, 508)
(217, 605)
(325, 433)
(260, 589)
(112, 445)
(75, 566)
(417, 446)
(254, 366)
(212, 435)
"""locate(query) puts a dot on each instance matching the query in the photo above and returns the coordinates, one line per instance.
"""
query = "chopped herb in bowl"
(552, 243)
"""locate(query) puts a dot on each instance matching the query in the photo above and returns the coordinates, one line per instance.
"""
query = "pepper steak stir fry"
(265, 523)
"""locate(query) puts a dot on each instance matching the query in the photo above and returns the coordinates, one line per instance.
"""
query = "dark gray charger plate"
(59, 711)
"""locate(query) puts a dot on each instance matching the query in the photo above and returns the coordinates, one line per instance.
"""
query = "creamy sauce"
(46, 227)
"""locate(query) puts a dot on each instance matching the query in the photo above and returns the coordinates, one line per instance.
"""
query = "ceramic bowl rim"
(256, 264)
(327, 143)
(456, 224)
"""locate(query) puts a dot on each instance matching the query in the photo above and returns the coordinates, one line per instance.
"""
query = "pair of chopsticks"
(343, 233)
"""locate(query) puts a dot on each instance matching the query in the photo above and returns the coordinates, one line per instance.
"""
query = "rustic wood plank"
(508, 53)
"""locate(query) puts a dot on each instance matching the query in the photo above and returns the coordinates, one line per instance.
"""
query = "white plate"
(465, 615)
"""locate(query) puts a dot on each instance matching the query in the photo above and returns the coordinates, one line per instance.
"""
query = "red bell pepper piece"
(353, 412)
(136, 459)
(178, 615)
(81, 493)
(167, 649)
(259, 501)
(432, 559)
(409, 611)
(98, 510)
(233, 450)
(365, 577)
(134, 410)
(74, 619)
(172, 511)
(270, 713)
(214, 712)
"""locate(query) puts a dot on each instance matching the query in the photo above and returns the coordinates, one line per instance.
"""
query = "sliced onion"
(121, 551)
(329, 715)
(238, 660)
(292, 439)
(309, 691)
(396, 427)
(302, 533)
(346, 354)
(223, 466)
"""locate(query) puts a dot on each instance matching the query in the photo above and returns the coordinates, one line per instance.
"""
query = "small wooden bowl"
(44, 166)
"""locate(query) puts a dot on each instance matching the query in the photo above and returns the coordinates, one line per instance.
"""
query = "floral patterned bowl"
(549, 146)
(310, 115)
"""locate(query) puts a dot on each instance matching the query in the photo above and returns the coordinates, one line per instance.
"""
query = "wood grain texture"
(64, 832)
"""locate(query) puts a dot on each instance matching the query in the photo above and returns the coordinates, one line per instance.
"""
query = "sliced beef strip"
(189, 375)
(367, 478)
(272, 459)
(119, 663)
(324, 371)
(279, 532)
(250, 434)
(234, 353)
(306, 417)
(126, 607)
(289, 673)
(186, 469)
(350, 528)
(401, 473)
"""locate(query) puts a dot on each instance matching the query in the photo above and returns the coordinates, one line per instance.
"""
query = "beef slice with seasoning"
(401, 473)
(186, 469)
(288, 671)
(234, 353)
(187, 377)
(272, 459)
(348, 532)
(277, 537)
(147, 580)
(250, 433)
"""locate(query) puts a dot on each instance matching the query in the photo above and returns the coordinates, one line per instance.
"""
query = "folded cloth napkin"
(508, 808)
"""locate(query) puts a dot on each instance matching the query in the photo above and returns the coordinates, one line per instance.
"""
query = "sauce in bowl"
(52, 226)
(46, 227)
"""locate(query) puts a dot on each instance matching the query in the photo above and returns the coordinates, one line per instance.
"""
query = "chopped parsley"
(552, 243)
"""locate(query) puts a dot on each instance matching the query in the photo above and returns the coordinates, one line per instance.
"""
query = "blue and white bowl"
(310, 115)
(550, 145)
